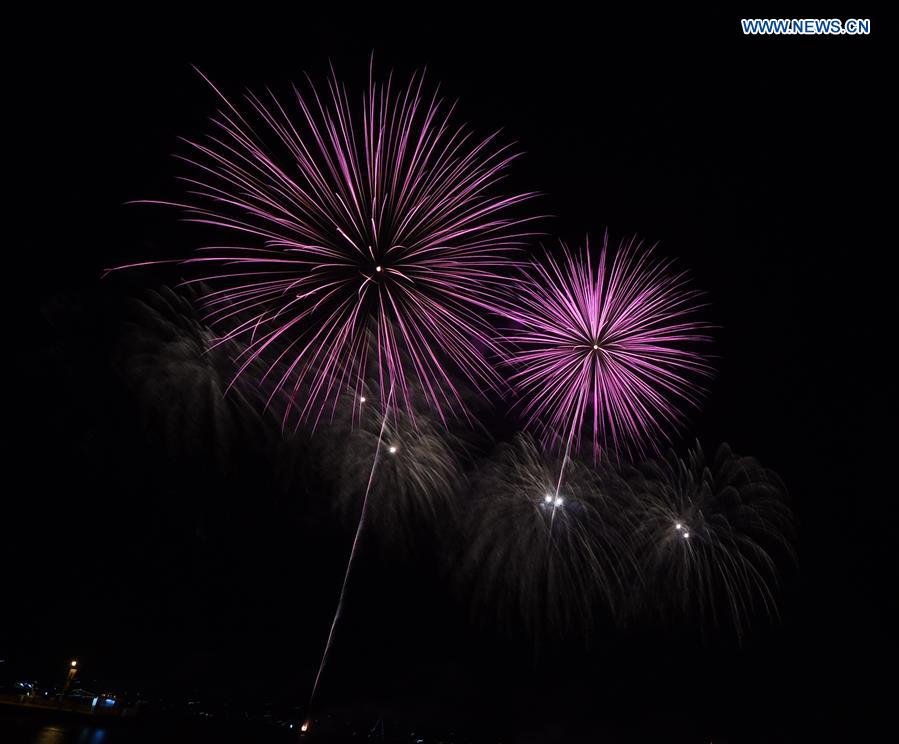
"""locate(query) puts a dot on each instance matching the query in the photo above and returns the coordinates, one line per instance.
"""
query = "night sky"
(165, 561)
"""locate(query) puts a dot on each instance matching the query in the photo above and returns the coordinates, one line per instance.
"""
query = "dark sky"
(759, 163)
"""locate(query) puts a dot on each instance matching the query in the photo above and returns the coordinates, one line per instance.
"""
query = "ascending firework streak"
(349, 565)
(369, 244)
(418, 471)
(609, 339)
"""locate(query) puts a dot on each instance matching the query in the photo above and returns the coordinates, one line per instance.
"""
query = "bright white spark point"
(678, 526)
(547, 499)
(378, 268)
(558, 501)
(305, 726)
(392, 449)
(686, 536)
(362, 399)
(595, 347)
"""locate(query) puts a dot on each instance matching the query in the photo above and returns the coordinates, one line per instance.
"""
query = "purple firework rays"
(605, 344)
(370, 241)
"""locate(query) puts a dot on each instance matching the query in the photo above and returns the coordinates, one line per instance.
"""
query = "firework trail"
(349, 565)
(544, 557)
(368, 239)
(418, 476)
(710, 536)
(605, 343)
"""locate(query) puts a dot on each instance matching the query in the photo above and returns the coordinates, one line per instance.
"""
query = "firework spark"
(605, 342)
(542, 558)
(711, 536)
(370, 239)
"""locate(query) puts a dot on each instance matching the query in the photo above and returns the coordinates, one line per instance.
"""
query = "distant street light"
(70, 676)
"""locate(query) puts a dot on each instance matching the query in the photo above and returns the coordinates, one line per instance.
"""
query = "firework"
(605, 343)
(165, 359)
(419, 471)
(542, 558)
(368, 240)
(711, 536)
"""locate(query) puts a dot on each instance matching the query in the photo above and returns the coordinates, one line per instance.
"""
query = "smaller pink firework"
(608, 343)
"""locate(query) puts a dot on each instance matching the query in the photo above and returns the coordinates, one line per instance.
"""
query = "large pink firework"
(605, 348)
(369, 241)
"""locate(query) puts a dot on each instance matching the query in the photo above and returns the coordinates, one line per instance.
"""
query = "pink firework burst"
(369, 243)
(605, 343)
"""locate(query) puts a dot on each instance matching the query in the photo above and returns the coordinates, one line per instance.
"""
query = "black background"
(759, 163)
